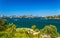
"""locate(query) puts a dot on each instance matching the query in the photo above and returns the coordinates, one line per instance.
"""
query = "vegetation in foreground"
(10, 31)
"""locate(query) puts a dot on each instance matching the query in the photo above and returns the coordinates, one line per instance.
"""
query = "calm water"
(39, 22)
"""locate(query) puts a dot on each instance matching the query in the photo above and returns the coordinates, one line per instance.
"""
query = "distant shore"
(31, 16)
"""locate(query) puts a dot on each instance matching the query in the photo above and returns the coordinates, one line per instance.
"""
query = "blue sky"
(28, 7)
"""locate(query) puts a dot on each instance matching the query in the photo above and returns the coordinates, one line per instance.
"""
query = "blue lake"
(39, 22)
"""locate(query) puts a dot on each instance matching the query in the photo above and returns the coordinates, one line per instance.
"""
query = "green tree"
(50, 30)
(11, 29)
(3, 24)
(33, 27)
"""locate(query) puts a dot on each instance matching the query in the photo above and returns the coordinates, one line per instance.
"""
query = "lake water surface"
(39, 22)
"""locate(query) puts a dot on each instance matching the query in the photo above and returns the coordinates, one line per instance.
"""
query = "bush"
(3, 25)
(50, 30)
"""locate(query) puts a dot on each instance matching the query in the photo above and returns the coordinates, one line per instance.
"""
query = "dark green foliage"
(33, 27)
(3, 22)
(3, 25)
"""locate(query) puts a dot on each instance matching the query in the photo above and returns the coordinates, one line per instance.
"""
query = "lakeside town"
(16, 16)
(31, 16)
